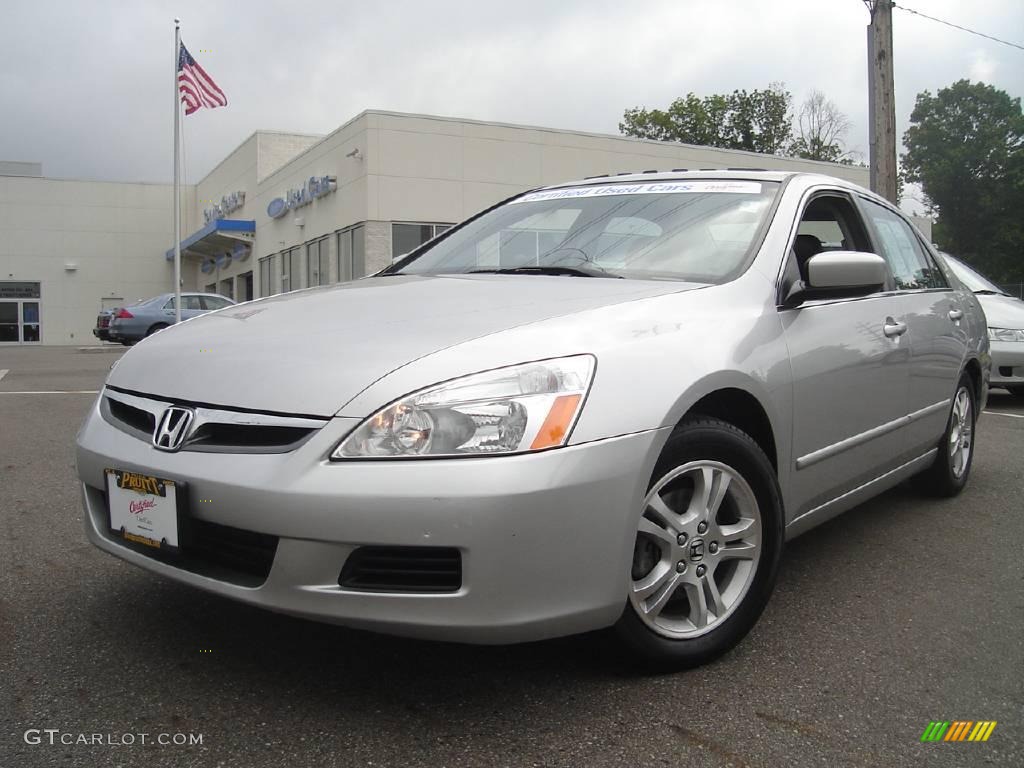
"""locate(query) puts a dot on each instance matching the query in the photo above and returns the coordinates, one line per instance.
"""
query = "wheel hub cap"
(697, 549)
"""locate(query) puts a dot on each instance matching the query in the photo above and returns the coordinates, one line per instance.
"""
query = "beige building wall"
(91, 244)
(443, 169)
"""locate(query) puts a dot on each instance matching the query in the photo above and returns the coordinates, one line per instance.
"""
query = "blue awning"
(216, 238)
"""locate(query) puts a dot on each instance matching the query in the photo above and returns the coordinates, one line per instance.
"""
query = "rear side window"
(912, 268)
(187, 302)
(215, 302)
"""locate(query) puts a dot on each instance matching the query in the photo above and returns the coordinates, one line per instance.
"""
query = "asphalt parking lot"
(900, 612)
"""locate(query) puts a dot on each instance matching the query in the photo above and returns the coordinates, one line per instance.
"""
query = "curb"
(104, 348)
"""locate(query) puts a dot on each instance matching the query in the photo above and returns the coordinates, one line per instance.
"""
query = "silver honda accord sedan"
(600, 404)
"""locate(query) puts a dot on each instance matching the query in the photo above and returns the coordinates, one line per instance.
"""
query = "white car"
(1005, 315)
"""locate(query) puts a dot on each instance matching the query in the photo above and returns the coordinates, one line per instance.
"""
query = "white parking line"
(55, 392)
(4, 372)
(1011, 415)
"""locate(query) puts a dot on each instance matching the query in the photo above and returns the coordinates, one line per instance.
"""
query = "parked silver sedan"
(601, 404)
(1005, 317)
(147, 316)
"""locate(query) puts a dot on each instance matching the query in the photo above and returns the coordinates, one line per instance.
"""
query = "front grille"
(235, 549)
(403, 569)
(216, 429)
(136, 418)
(225, 436)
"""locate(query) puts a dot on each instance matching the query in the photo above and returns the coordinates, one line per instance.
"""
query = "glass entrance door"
(19, 312)
(19, 322)
(10, 328)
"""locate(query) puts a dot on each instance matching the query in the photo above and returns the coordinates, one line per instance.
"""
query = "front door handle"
(893, 329)
(955, 315)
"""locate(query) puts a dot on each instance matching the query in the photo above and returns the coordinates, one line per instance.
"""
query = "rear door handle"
(955, 315)
(892, 329)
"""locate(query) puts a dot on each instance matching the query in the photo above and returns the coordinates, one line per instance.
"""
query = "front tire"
(1016, 390)
(948, 474)
(709, 540)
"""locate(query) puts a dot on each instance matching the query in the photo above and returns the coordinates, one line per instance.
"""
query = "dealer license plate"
(143, 508)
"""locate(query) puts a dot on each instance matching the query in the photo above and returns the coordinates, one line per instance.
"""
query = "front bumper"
(546, 539)
(1007, 363)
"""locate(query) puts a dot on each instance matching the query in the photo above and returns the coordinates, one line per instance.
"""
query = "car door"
(850, 367)
(936, 327)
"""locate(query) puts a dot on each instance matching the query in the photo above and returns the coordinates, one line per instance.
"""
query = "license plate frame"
(145, 510)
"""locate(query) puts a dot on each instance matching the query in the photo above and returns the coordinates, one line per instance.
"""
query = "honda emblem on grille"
(173, 428)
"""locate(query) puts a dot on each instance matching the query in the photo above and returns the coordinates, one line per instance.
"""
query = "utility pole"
(881, 100)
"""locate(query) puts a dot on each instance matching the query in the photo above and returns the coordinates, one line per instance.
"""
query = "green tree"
(965, 147)
(758, 121)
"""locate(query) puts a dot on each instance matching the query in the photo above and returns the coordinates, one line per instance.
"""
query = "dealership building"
(286, 211)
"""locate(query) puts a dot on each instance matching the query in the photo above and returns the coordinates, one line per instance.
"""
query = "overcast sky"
(87, 86)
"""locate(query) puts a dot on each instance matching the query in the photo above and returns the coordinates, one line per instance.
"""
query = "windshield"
(970, 278)
(697, 231)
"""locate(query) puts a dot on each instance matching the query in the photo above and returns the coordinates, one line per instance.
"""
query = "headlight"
(525, 407)
(1005, 334)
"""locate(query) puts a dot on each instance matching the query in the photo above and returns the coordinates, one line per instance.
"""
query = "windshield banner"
(652, 188)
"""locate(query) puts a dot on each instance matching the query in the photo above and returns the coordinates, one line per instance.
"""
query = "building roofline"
(595, 135)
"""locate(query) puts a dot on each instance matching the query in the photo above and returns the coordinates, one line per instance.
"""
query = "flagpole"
(177, 179)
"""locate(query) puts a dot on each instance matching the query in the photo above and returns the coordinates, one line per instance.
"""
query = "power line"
(957, 26)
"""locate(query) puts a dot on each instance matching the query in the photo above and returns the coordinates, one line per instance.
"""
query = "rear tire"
(155, 328)
(948, 474)
(709, 541)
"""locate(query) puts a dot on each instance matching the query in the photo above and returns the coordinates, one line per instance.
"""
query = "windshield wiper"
(548, 270)
(989, 292)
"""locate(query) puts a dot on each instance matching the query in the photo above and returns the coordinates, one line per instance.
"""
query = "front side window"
(697, 231)
(912, 269)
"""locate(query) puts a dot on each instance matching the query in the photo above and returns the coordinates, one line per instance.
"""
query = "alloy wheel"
(961, 433)
(697, 548)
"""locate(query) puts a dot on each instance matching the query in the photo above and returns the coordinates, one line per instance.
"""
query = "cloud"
(87, 86)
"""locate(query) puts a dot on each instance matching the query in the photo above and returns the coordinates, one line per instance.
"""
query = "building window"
(211, 288)
(408, 237)
(291, 269)
(244, 286)
(318, 262)
(267, 276)
(351, 253)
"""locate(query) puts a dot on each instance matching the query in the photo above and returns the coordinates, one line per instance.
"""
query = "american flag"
(196, 87)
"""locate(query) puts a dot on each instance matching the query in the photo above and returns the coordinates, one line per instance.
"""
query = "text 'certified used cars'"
(601, 404)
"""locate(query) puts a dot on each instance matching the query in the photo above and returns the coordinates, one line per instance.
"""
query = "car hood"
(310, 352)
(1002, 311)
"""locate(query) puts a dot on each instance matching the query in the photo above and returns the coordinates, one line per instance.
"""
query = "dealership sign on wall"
(316, 186)
(227, 204)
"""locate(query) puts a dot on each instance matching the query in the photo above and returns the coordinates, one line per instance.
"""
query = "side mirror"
(841, 270)
(838, 274)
